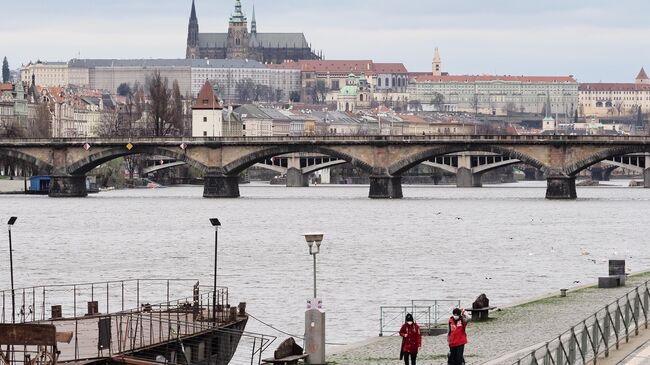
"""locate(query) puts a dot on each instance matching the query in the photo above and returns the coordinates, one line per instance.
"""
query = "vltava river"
(437, 243)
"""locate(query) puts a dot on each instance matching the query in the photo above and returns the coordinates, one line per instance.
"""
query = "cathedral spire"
(253, 23)
(193, 14)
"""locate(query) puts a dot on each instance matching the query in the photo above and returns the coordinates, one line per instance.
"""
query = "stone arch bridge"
(385, 158)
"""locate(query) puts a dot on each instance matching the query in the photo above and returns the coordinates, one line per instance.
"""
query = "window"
(335, 85)
(205, 101)
(205, 119)
(205, 133)
(379, 82)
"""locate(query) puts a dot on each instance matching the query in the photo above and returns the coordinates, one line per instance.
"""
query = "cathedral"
(239, 43)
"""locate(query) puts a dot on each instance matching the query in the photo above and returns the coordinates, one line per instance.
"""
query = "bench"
(289, 360)
(480, 314)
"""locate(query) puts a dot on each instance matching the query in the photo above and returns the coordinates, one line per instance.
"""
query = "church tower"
(436, 65)
(238, 36)
(642, 77)
(192, 35)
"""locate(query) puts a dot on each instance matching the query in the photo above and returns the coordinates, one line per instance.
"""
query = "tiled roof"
(410, 118)
(207, 99)
(6, 87)
(251, 111)
(390, 68)
(642, 75)
(604, 86)
(488, 78)
(336, 65)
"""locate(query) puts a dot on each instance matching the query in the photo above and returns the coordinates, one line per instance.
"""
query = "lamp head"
(312, 238)
(12, 220)
(215, 223)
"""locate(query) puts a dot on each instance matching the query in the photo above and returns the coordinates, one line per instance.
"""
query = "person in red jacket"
(411, 340)
(457, 337)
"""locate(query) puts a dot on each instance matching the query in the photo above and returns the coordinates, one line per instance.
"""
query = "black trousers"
(456, 356)
(413, 355)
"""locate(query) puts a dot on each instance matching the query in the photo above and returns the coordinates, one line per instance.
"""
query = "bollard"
(563, 292)
(233, 314)
(93, 308)
(242, 309)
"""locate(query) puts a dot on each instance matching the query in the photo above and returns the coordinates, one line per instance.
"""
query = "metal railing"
(35, 303)
(426, 313)
(597, 334)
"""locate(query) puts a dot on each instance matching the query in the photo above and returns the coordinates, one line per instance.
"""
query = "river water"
(437, 243)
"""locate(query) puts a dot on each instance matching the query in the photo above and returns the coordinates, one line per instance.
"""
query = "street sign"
(183, 146)
(129, 146)
(86, 146)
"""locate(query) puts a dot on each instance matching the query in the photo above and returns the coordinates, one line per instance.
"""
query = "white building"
(495, 95)
(207, 115)
(45, 73)
(226, 74)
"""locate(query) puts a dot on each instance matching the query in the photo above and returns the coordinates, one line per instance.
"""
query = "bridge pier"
(466, 179)
(68, 186)
(220, 186)
(646, 178)
(385, 187)
(296, 179)
(561, 187)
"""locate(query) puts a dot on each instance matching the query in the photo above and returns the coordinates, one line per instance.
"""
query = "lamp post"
(314, 316)
(10, 223)
(216, 224)
(313, 241)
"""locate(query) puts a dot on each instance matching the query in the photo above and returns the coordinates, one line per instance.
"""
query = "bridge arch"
(251, 159)
(575, 168)
(41, 166)
(402, 166)
(88, 163)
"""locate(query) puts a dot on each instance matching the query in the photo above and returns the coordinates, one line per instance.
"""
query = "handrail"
(426, 312)
(598, 333)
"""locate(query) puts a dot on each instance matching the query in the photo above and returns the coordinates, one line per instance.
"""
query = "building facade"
(45, 73)
(240, 43)
(494, 95)
(615, 99)
(227, 74)
(207, 115)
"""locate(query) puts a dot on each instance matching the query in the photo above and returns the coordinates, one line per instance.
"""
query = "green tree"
(124, 89)
(6, 74)
(294, 97)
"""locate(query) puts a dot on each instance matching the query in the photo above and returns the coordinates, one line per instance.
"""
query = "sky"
(594, 40)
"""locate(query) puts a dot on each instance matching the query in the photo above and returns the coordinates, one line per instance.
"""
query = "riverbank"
(511, 332)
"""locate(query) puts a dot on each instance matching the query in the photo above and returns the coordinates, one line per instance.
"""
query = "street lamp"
(10, 223)
(216, 224)
(313, 241)
(314, 316)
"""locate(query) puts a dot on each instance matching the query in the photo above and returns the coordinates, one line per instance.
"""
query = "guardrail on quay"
(597, 334)
(426, 313)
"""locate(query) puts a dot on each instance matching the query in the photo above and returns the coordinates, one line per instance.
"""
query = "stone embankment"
(11, 186)
(510, 333)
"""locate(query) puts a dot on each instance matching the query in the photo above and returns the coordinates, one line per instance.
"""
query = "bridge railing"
(326, 138)
(597, 334)
(426, 313)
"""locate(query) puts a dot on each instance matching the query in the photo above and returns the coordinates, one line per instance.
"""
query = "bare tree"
(474, 102)
(160, 103)
(109, 125)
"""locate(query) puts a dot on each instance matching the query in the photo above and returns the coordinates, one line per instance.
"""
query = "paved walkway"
(511, 333)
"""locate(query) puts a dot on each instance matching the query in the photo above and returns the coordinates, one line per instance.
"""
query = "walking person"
(457, 336)
(411, 340)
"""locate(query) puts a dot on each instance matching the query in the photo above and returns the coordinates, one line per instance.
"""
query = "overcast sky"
(595, 40)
